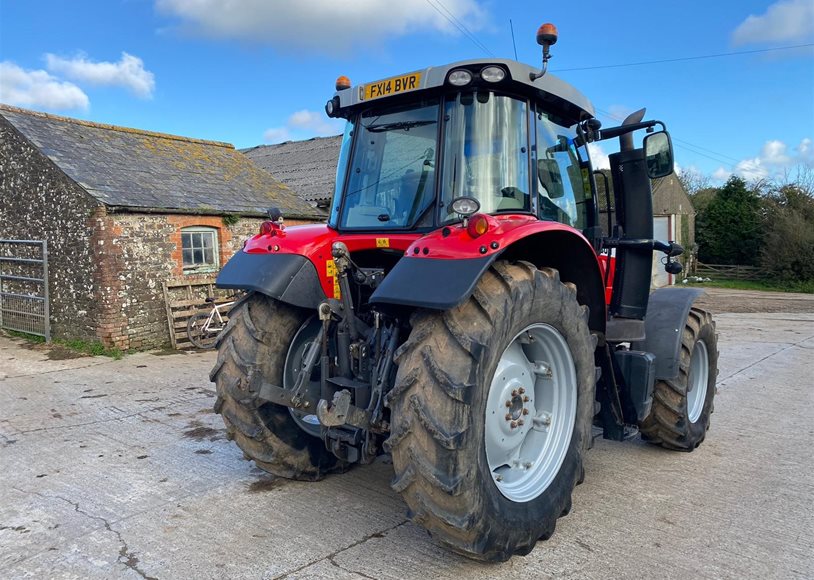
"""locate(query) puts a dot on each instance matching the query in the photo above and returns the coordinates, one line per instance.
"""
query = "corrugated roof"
(307, 167)
(132, 168)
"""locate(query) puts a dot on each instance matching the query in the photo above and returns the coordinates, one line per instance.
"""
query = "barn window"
(200, 249)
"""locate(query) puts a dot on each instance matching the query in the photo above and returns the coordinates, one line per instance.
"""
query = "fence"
(24, 287)
(728, 271)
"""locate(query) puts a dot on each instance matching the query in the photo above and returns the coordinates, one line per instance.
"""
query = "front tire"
(446, 422)
(679, 418)
(257, 340)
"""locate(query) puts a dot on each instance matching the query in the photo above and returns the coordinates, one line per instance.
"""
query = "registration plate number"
(392, 86)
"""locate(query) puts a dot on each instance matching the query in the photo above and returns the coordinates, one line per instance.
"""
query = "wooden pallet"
(184, 298)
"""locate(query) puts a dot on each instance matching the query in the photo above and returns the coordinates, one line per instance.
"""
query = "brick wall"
(38, 201)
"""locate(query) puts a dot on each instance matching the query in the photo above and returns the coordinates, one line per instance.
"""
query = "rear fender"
(440, 270)
(667, 313)
(290, 278)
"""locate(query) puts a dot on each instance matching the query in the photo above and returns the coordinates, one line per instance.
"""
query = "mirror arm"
(625, 129)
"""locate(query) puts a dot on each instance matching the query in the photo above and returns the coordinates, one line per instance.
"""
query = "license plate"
(392, 86)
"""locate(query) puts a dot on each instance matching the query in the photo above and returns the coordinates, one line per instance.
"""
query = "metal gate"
(24, 287)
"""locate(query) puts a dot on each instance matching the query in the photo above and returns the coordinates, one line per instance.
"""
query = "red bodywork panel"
(607, 278)
(451, 242)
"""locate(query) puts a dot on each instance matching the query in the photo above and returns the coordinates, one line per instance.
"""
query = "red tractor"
(462, 309)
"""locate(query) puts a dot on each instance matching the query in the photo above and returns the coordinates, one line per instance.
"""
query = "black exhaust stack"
(634, 216)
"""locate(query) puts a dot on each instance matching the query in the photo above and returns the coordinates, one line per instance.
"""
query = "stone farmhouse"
(125, 212)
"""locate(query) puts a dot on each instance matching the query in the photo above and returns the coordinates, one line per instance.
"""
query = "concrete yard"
(119, 469)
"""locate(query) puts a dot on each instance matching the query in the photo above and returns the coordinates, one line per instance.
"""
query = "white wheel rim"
(294, 361)
(530, 412)
(697, 381)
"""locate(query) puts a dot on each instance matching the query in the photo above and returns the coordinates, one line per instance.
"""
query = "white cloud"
(721, 174)
(319, 25)
(276, 135)
(785, 20)
(599, 159)
(773, 161)
(303, 125)
(37, 88)
(129, 72)
(805, 151)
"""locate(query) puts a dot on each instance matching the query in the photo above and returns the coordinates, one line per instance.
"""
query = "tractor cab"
(479, 129)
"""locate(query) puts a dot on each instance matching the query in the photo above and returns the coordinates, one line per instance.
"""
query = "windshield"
(486, 153)
(392, 168)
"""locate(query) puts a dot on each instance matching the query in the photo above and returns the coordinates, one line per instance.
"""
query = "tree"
(729, 228)
(788, 248)
(693, 180)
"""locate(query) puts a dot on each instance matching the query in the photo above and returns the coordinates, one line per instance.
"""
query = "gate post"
(47, 309)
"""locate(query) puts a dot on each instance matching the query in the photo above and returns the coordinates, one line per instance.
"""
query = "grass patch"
(91, 348)
(760, 285)
(24, 335)
(87, 347)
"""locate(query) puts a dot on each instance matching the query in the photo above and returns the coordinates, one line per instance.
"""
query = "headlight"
(465, 206)
(332, 107)
(460, 78)
(493, 74)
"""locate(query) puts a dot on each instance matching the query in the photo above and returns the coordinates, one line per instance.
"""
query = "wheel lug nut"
(514, 393)
(525, 411)
(508, 403)
(525, 398)
(508, 416)
(520, 422)
(514, 424)
(521, 390)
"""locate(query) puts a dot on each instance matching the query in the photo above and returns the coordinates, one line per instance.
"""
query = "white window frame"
(205, 265)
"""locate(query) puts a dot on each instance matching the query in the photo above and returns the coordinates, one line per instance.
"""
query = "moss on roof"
(133, 168)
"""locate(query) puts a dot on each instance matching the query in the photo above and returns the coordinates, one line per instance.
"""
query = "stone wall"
(39, 202)
(137, 253)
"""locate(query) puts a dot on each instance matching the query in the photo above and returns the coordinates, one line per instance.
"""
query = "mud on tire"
(438, 413)
(669, 423)
(255, 341)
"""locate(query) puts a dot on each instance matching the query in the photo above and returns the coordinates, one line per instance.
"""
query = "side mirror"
(658, 152)
(548, 172)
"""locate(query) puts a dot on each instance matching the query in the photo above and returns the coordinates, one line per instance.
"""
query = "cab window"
(562, 176)
(486, 153)
(392, 165)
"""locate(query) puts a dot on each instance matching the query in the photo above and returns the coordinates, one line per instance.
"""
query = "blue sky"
(258, 71)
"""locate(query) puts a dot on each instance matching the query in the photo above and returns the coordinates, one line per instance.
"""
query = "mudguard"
(290, 278)
(667, 313)
(431, 283)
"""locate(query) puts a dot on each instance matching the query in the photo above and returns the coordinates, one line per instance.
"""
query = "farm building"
(307, 167)
(673, 219)
(128, 216)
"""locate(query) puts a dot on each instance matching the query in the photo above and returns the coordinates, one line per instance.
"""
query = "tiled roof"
(131, 168)
(307, 167)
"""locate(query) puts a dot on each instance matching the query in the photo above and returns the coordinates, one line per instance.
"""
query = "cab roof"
(546, 88)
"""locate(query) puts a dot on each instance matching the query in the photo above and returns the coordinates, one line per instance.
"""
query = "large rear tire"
(451, 428)
(679, 418)
(257, 340)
